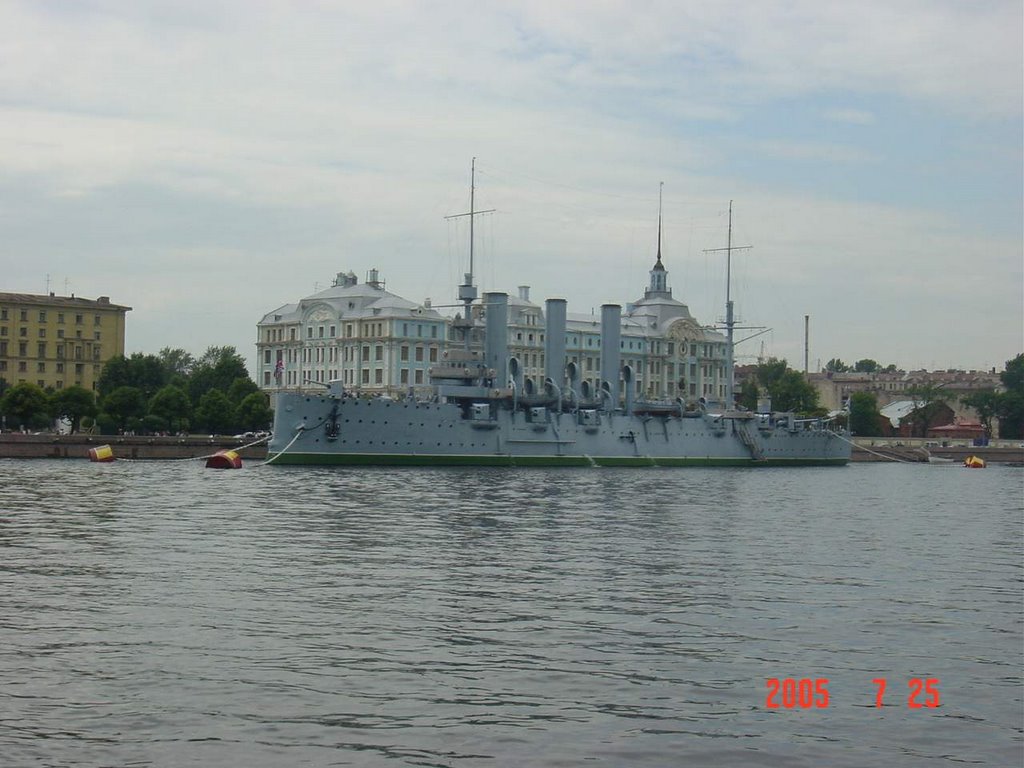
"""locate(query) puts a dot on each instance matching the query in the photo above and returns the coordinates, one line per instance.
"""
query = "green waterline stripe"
(496, 460)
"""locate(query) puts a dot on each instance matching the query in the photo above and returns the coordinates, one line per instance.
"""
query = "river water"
(163, 614)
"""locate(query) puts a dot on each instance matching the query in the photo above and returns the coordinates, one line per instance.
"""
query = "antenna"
(47, 283)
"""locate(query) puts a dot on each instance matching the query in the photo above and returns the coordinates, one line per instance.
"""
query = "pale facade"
(379, 343)
(58, 341)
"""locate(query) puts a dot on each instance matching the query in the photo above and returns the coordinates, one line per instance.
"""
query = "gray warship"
(482, 411)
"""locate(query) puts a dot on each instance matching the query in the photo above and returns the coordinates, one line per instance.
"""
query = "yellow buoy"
(974, 462)
(224, 460)
(101, 453)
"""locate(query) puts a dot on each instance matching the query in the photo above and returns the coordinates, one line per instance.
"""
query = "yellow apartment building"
(58, 341)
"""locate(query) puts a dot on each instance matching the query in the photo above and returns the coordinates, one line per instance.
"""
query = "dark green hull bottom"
(424, 460)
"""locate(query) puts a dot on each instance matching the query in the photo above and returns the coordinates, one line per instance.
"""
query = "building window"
(41, 349)
(79, 369)
(96, 320)
(419, 375)
(22, 367)
(3, 331)
(378, 376)
(60, 351)
(96, 335)
(366, 375)
(60, 333)
(378, 352)
(23, 315)
(23, 331)
(79, 319)
(22, 349)
(419, 354)
(40, 367)
(334, 331)
(42, 315)
(60, 318)
(309, 332)
(3, 349)
(320, 332)
(266, 378)
(42, 333)
(291, 334)
(3, 313)
(403, 353)
(266, 357)
(433, 354)
(60, 367)
(366, 353)
(60, 384)
(403, 376)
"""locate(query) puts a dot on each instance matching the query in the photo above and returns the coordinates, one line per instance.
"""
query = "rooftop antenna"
(47, 283)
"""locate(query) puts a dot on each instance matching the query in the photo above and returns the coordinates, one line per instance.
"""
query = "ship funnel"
(611, 353)
(496, 350)
(554, 341)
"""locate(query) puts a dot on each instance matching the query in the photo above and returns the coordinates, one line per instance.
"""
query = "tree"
(928, 400)
(792, 392)
(215, 413)
(253, 413)
(25, 403)
(986, 403)
(240, 389)
(835, 365)
(216, 369)
(867, 365)
(177, 363)
(144, 372)
(864, 414)
(1011, 402)
(749, 394)
(73, 403)
(789, 390)
(124, 404)
(171, 405)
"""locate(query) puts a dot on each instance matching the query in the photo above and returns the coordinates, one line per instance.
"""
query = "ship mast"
(467, 291)
(730, 320)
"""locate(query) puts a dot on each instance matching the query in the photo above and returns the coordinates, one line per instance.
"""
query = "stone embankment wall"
(14, 445)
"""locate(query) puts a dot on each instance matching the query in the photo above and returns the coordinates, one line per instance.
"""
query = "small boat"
(974, 462)
(940, 460)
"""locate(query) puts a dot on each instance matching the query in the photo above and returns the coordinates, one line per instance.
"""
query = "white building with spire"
(378, 343)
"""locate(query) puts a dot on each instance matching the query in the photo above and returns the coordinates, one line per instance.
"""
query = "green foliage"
(867, 365)
(789, 390)
(835, 365)
(124, 404)
(25, 403)
(864, 414)
(216, 369)
(177, 363)
(1010, 407)
(215, 413)
(253, 413)
(152, 423)
(143, 372)
(73, 403)
(749, 394)
(171, 407)
(986, 403)
(929, 398)
(240, 389)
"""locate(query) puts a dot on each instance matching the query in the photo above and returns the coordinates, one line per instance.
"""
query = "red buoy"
(224, 460)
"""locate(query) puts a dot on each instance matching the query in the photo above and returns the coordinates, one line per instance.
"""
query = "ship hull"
(326, 430)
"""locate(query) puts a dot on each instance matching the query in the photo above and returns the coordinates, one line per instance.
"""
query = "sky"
(207, 162)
